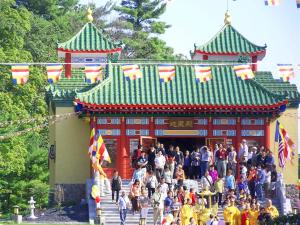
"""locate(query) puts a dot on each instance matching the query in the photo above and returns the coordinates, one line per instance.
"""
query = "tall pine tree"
(142, 27)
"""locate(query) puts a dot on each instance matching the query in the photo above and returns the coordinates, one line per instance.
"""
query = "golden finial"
(227, 19)
(89, 15)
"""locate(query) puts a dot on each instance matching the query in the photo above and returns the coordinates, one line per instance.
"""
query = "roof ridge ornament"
(89, 15)
(227, 19)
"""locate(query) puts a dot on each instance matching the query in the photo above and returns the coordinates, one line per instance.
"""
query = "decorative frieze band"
(133, 132)
(140, 121)
(109, 132)
(229, 121)
(248, 121)
(199, 133)
(229, 133)
(252, 133)
(108, 121)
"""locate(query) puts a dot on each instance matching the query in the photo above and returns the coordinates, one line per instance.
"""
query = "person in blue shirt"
(260, 180)
(168, 203)
(187, 164)
(229, 181)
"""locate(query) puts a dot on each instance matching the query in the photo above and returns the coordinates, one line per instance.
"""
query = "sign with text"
(181, 123)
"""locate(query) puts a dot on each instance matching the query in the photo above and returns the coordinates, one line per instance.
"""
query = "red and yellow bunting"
(20, 73)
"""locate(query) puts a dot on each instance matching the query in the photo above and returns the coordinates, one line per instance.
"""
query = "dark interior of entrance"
(183, 143)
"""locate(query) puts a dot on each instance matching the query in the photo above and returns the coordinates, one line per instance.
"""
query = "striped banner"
(131, 71)
(54, 72)
(203, 73)
(20, 73)
(243, 72)
(93, 73)
(272, 2)
(286, 71)
(166, 72)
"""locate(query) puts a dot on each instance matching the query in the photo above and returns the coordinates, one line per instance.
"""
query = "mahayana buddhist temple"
(145, 110)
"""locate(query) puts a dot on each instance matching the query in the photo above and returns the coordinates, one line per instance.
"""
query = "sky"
(197, 21)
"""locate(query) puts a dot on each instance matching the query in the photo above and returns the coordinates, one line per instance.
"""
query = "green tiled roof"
(67, 88)
(229, 41)
(279, 87)
(89, 38)
(224, 89)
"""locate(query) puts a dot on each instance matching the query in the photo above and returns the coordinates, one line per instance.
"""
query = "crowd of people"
(241, 182)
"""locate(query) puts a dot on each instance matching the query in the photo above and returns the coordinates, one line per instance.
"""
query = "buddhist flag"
(20, 73)
(272, 2)
(286, 71)
(92, 145)
(54, 72)
(166, 72)
(93, 73)
(203, 73)
(131, 71)
(286, 148)
(102, 152)
(243, 72)
(298, 4)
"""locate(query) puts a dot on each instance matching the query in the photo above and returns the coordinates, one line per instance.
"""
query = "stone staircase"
(111, 214)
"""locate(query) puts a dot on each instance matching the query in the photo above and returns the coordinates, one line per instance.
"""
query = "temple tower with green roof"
(89, 45)
(229, 45)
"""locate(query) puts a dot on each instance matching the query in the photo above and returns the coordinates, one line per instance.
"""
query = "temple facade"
(179, 112)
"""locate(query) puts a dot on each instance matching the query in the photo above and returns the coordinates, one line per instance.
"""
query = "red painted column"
(123, 158)
(152, 127)
(205, 57)
(254, 60)
(68, 66)
(267, 133)
(210, 128)
(238, 142)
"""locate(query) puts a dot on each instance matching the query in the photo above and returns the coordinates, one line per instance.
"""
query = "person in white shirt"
(123, 203)
(158, 206)
(206, 181)
(160, 162)
(144, 202)
(243, 152)
(164, 188)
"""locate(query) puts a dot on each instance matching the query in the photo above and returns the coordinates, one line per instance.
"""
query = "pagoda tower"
(229, 45)
(89, 45)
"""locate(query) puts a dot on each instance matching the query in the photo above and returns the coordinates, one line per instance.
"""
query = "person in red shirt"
(222, 160)
(251, 181)
(193, 196)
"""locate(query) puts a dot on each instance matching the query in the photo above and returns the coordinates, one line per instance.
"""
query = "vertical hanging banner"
(298, 4)
(272, 2)
(286, 71)
(54, 72)
(166, 72)
(93, 73)
(20, 73)
(243, 72)
(131, 71)
(203, 73)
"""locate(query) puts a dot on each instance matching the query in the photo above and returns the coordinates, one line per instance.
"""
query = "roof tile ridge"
(114, 45)
(95, 88)
(239, 33)
(213, 38)
(74, 36)
(257, 84)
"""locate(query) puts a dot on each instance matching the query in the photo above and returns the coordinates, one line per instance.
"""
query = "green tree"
(140, 27)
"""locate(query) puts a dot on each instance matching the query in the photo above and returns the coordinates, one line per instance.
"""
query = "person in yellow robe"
(186, 212)
(271, 209)
(253, 214)
(196, 213)
(232, 215)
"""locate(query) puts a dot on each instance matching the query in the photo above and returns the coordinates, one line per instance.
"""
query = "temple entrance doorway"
(184, 143)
